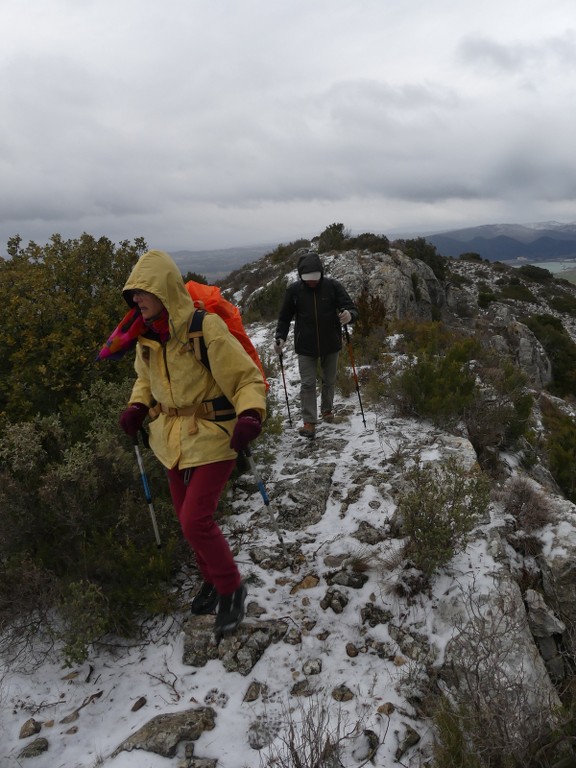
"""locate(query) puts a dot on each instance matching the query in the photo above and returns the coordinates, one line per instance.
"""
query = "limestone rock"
(30, 728)
(238, 652)
(163, 733)
(35, 748)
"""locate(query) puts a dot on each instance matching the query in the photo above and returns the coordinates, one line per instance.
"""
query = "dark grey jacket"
(317, 329)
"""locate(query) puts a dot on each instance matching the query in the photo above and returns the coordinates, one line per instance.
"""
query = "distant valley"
(216, 264)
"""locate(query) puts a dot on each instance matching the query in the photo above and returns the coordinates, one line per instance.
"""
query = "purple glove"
(132, 418)
(247, 428)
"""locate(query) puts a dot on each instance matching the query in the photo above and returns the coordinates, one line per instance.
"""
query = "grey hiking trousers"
(308, 367)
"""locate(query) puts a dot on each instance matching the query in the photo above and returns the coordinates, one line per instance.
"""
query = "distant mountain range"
(545, 241)
(216, 264)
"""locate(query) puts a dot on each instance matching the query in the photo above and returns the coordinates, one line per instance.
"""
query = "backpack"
(207, 298)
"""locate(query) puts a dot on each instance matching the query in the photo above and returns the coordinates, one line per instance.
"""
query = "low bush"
(440, 506)
(499, 414)
(420, 249)
(437, 387)
(560, 446)
(535, 273)
(517, 292)
(74, 521)
(485, 298)
(560, 349)
(264, 303)
(527, 505)
(564, 303)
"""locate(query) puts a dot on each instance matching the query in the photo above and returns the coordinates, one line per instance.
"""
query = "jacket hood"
(310, 262)
(157, 273)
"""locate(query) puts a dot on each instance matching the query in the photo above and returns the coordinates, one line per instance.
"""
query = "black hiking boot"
(230, 612)
(206, 600)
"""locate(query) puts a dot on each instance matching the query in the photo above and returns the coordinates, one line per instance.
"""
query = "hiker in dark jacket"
(320, 306)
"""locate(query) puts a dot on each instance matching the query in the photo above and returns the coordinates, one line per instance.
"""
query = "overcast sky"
(214, 123)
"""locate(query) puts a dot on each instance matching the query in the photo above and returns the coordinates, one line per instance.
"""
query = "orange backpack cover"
(208, 297)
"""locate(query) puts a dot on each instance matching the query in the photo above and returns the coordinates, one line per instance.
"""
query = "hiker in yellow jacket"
(201, 417)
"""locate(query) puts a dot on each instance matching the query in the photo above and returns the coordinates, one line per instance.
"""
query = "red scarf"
(126, 334)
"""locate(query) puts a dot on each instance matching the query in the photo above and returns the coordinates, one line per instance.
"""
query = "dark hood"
(309, 262)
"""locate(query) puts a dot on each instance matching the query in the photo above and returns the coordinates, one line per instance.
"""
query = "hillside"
(349, 654)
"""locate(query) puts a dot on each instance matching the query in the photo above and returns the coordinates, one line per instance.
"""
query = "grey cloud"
(209, 121)
(490, 56)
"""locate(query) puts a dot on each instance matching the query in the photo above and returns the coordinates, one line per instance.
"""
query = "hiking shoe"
(308, 430)
(230, 612)
(206, 599)
(328, 416)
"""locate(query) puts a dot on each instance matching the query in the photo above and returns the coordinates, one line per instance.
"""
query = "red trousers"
(195, 505)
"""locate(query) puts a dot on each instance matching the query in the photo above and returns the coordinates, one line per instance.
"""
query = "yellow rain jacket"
(177, 387)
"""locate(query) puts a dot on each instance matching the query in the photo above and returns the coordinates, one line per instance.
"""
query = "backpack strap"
(220, 408)
(196, 338)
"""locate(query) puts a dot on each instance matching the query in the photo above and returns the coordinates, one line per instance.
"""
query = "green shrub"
(437, 387)
(564, 303)
(536, 274)
(440, 507)
(436, 383)
(500, 413)
(470, 256)
(517, 292)
(560, 446)
(265, 303)
(369, 242)
(74, 511)
(485, 298)
(417, 337)
(332, 238)
(83, 610)
(452, 748)
(560, 349)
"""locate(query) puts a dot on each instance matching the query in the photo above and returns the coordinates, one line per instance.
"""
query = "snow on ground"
(104, 690)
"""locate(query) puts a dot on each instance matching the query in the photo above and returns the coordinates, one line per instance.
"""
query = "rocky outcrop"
(558, 566)
(516, 341)
(493, 667)
(407, 287)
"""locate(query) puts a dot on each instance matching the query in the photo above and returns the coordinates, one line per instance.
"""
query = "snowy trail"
(350, 654)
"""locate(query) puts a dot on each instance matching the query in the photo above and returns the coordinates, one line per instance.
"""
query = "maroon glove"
(247, 428)
(132, 418)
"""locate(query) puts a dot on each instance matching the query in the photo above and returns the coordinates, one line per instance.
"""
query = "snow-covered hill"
(355, 661)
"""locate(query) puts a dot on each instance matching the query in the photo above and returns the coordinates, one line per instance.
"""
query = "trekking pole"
(262, 489)
(285, 388)
(351, 353)
(147, 493)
